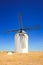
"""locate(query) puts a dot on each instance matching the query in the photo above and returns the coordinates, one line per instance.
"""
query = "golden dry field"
(31, 58)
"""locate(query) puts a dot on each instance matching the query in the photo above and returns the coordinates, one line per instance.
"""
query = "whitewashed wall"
(21, 43)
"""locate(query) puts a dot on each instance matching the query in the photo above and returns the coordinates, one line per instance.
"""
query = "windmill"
(21, 37)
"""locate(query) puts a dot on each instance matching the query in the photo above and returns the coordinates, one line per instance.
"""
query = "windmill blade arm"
(10, 31)
(20, 20)
(32, 28)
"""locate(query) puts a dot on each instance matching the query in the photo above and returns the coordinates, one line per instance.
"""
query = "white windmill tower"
(21, 38)
(21, 42)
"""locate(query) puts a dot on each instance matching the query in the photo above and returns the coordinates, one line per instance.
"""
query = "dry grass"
(31, 58)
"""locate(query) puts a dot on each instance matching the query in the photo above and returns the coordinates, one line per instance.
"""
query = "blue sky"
(32, 14)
